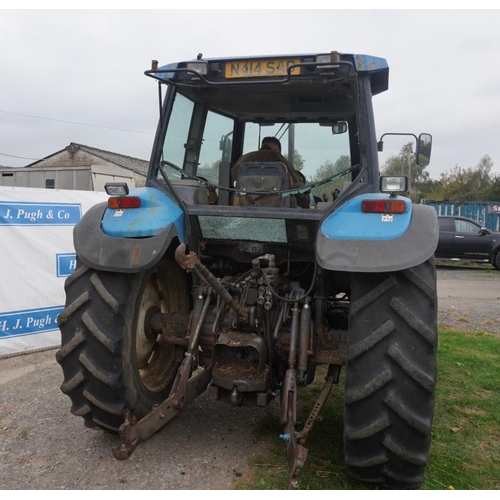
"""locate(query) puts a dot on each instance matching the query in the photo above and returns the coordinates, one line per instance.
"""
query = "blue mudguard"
(130, 240)
(156, 212)
(353, 241)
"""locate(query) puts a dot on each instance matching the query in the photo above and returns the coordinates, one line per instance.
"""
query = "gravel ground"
(208, 446)
(469, 298)
(42, 446)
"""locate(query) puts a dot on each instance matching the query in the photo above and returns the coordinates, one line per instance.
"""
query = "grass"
(465, 450)
(465, 264)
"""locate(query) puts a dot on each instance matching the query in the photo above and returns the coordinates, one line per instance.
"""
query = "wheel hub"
(153, 323)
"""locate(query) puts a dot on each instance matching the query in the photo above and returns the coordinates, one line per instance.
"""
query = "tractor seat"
(262, 177)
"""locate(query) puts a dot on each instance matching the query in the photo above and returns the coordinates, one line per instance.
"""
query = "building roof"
(135, 164)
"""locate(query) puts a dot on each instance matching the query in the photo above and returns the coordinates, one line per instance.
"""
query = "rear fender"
(353, 241)
(130, 240)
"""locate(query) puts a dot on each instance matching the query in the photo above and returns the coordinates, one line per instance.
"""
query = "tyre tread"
(104, 293)
(391, 376)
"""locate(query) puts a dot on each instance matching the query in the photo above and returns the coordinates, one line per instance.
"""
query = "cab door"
(470, 242)
(446, 248)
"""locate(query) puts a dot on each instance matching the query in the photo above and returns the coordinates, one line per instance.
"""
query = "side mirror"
(424, 146)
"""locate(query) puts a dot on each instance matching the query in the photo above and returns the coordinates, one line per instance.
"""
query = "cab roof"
(376, 67)
(277, 88)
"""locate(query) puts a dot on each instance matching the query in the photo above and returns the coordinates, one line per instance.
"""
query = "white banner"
(36, 256)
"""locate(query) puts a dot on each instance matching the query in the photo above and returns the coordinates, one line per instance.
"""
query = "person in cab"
(270, 152)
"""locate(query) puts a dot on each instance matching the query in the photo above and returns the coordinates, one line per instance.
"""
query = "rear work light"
(200, 67)
(383, 206)
(332, 57)
(118, 202)
(116, 188)
(394, 184)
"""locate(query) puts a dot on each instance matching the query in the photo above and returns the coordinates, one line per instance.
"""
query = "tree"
(298, 160)
(493, 193)
(329, 169)
(471, 183)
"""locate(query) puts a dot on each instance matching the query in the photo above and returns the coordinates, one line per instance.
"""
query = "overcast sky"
(78, 75)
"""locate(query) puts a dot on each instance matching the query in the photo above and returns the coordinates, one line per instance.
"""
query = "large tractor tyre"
(391, 376)
(112, 358)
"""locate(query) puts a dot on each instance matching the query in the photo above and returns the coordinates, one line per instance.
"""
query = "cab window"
(174, 150)
(215, 145)
(311, 148)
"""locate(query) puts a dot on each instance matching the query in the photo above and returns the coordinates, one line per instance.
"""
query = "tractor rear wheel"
(113, 356)
(391, 376)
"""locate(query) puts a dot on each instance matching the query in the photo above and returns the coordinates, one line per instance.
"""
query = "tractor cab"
(216, 111)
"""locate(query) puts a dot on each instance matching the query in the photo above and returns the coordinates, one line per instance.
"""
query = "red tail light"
(383, 206)
(124, 202)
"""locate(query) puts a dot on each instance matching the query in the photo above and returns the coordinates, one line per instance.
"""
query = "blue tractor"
(264, 245)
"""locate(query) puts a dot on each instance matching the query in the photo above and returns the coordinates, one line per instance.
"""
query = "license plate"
(260, 68)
